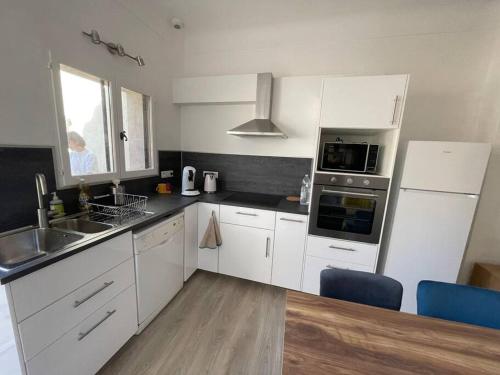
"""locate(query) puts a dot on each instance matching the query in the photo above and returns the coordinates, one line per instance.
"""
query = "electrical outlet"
(166, 174)
(214, 172)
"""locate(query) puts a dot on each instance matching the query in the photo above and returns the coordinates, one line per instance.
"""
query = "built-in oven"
(348, 207)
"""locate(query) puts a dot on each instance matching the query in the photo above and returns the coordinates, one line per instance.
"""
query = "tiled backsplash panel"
(18, 200)
(256, 174)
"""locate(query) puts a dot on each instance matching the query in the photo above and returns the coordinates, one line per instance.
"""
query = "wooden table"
(328, 336)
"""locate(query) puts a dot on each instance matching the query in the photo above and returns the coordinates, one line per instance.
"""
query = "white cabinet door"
(190, 240)
(288, 256)
(363, 102)
(208, 259)
(246, 252)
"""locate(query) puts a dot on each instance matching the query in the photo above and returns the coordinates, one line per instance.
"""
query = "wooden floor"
(216, 325)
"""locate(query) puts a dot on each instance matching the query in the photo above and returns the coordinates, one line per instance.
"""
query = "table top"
(328, 336)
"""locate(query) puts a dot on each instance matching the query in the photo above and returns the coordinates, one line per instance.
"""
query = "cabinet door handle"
(396, 100)
(246, 213)
(333, 267)
(268, 240)
(82, 335)
(341, 248)
(79, 302)
(292, 220)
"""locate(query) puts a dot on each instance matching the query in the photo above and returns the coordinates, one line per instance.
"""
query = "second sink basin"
(82, 225)
(19, 248)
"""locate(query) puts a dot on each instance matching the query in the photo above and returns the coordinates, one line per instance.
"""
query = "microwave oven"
(349, 157)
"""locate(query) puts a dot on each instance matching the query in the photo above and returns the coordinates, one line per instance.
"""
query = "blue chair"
(361, 287)
(459, 303)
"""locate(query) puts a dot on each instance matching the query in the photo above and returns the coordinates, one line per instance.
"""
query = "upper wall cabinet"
(372, 102)
(215, 89)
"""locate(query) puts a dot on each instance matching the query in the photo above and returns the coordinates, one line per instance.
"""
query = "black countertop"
(162, 206)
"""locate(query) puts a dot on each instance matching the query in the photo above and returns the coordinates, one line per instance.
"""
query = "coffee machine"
(188, 174)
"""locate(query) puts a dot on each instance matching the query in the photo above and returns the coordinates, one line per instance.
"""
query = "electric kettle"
(210, 185)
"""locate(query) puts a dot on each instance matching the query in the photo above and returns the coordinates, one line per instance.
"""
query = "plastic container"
(56, 205)
(305, 190)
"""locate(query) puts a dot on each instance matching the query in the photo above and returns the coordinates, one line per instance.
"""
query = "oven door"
(347, 213)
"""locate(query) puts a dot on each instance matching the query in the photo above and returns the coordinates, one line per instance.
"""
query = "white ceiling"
(211, 15)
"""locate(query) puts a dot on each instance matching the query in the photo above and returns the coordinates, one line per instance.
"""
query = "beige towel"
(212, 238)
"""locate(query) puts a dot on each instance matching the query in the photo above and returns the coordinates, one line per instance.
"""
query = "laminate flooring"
(216, 324)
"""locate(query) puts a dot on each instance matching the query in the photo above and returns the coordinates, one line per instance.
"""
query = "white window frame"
(152, 138)
(64, 176)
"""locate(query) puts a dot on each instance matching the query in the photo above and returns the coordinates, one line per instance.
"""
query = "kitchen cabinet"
(246, 252)
(370, 102)
(208, 259)
(314, 265)
(288, 255)
(73, 315)
(190, 240)
(324, 252)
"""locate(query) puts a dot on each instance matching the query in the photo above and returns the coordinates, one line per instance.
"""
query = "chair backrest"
(459, 303)
(361, 287)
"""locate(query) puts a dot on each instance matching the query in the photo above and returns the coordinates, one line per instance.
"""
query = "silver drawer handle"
(333, 267)
(246, 213)
(341, 248)
(268, 240)
(82, 335)
(292, 220)
(79, 302)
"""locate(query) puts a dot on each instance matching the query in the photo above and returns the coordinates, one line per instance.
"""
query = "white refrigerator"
(436, 205)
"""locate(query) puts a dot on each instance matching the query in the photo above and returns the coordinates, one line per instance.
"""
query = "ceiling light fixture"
(113, 48)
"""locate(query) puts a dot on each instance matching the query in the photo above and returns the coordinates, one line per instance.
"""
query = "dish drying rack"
(116, 208)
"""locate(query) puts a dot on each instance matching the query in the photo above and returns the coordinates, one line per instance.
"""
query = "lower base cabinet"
(246, 252)
(314, 266)
(88, 346)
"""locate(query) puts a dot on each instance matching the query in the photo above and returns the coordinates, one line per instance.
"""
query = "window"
(136, 127)
(87, 122)
(95, 143)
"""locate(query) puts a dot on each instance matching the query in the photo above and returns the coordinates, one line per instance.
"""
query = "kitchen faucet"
(41, 191)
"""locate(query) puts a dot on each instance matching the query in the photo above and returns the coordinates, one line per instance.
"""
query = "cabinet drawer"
(35, 291)
(43, 328)
(89, 345)
(249, 217)
(344, 251)
(314, 266)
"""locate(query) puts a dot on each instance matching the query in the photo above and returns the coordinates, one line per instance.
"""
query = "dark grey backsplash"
(18, 165)
(256, 174)
(18, 202)
(259, 174)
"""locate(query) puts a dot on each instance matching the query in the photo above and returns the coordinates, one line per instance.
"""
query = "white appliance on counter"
(188, 179)
(437, 201)
(159, 266)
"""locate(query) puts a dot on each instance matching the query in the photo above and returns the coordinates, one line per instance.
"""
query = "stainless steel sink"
(81, 225)
(22, 247)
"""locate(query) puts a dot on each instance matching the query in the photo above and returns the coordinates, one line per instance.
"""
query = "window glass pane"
(88, 122)
(136, 124)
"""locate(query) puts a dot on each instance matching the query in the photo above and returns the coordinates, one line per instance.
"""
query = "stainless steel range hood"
(261, 126)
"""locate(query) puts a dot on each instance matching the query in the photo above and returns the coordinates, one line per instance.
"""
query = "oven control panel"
(361, 181)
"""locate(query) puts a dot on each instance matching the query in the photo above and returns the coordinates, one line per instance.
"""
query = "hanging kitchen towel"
(212, 237)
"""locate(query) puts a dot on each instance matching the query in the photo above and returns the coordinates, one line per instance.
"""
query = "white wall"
(30, 29)
(484, 241)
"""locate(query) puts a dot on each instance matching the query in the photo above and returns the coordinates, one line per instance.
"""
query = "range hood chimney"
(261, 126)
